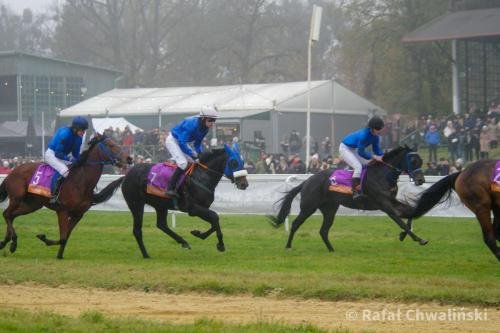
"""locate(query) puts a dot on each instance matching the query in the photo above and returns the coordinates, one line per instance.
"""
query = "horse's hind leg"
(496, 222)
(484, 218)
(328, 218)
(303, 215)
(15, 208)
(161, 223)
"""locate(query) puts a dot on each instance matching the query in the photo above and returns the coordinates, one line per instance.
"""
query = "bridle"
(112, 158)
(411, 173)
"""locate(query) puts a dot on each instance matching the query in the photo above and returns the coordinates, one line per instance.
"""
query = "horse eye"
(233, 164)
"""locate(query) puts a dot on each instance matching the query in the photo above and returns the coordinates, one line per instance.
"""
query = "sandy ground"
(185, 308)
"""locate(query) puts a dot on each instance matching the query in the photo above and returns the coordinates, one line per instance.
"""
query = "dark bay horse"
(473, 186)
(195, 195)
(379, 186)
(76, 195)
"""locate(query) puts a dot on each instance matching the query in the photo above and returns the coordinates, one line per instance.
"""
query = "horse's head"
(108, 152)
(234, 169)
(407, 160)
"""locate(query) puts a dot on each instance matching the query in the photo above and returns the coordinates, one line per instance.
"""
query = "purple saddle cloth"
(160, 174)
(342, 177)
(42, 177)
(495, 178)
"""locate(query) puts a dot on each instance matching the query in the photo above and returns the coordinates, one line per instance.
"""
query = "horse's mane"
(210, 155)
(85, 154)
(393, 153)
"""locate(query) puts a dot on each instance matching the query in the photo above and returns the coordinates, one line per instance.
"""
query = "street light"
(313, 37)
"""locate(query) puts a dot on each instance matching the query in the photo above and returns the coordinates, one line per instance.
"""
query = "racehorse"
(76, 195)
(379, 186)
(196, 194)
(474, 188)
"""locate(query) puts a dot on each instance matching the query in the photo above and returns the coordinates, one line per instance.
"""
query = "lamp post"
(313, 36)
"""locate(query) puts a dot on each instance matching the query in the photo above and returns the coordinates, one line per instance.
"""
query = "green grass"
(369, 263)
(19, 321)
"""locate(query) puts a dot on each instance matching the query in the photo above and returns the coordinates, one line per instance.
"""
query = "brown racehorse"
(76, 195)
(473, 186)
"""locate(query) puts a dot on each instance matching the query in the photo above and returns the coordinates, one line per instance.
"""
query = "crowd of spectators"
(463, 138)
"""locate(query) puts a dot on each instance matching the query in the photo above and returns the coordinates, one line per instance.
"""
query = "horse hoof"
(60, 257)
(196, 233)
(221, 247)
(423, 242)
(13, 247)
(331, 250)
(2, 244)
(41, 237)
(185, 246)
(402, 236)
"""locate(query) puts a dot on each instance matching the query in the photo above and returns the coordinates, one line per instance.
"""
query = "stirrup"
(172, 194)
(54, 199)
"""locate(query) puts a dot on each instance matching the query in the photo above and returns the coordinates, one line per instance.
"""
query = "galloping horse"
(196, 194)
(379, 186)
(474, 187)
(76, 195)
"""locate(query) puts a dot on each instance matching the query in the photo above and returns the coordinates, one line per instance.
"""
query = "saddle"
(43, 180)
(159, 178)
(341, 180)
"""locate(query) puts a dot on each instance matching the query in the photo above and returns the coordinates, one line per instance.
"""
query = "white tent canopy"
(101, 124)
(232, 101)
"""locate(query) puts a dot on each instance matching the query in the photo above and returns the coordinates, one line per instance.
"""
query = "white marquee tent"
(329, 102)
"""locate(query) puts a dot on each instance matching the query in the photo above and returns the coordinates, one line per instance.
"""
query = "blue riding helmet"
(234, 165)
(80, 122)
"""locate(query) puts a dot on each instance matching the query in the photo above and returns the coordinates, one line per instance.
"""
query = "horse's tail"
(107, 192)
(286, 205)
(438, 193)
(3, 191)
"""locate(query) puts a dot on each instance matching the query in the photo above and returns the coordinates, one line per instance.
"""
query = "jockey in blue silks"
(66, 140)
(352, 150)
(190, 130)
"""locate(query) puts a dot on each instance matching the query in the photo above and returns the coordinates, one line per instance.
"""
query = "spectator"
(249, 166)
(484, 142)
(432, 139)
(5, 167)
(295, 142)
(314, 164)
(261, 165)
(282, 166)
(297, 165)
(327, 146)
(443, 167)
(431, 169)
(285, 145)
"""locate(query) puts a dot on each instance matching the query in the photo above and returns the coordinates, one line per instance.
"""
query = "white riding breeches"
(56, 163)
(178, 155)
(352, 158)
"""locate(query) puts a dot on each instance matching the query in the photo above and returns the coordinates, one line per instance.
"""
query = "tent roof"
(101, 124)
(235, 101)
(458, 25)
(17, 129)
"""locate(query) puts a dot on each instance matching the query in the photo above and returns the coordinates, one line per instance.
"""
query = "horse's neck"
(90, 171)
(213, 174)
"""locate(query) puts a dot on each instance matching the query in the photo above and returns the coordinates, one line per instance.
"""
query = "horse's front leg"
(403, 234)
(211, 217)
(406, 227)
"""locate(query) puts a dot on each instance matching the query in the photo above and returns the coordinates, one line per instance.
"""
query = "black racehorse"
(195, 195)
(379, 186)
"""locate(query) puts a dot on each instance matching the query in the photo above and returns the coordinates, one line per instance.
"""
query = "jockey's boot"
(171, 192)
(356, 189)
(57, 187)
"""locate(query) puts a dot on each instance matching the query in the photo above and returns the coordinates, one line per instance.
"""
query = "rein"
(411, 173)
(112, 159)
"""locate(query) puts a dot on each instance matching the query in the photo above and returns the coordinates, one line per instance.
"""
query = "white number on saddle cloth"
(36, 179)
(497, 176)
(333, 180)
(154, 176)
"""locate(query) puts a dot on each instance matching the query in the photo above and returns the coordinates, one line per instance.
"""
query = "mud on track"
(185, 308)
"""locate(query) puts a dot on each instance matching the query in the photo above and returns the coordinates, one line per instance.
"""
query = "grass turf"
(369, 263)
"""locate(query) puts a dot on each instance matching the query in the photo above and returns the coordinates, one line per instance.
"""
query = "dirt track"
(397, 317)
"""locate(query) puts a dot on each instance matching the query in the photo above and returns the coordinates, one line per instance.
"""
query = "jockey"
(66, 140)
(192, 129)
(352, 149)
